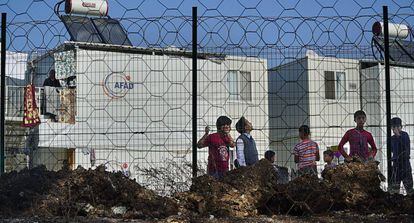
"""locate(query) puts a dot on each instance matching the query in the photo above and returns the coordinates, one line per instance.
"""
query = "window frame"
(335, 83)
(243, 86)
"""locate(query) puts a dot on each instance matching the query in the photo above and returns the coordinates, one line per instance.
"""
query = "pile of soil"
(240, 193)
(352, 186)
(79, 193)
(247, 192)
(303, 195)
(356, 181)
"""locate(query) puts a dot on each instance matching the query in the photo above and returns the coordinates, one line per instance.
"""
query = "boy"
(306, 153)
(358, 139)
(281, 172)
(401, 167)
(328, 156)
(246, 150)
(218, 143)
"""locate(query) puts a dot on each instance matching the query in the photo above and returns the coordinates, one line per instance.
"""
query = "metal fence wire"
(122, 95)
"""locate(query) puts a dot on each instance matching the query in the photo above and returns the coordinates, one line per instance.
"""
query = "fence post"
(387, 91)
(3, 91)
(194, 96)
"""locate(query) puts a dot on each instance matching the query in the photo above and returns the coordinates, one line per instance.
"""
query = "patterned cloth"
(306, 151)
(67, 110)
(65, 65)
(218, 155)
(358, 143)
(31, 112)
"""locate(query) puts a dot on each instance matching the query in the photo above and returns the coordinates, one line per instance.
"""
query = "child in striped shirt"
(306, 153)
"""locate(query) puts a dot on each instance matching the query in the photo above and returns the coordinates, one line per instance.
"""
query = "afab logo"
(117, 85)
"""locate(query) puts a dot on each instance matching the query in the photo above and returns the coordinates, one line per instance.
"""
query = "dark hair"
(240, 125)
(359, 113)
(223, 120)
(396, 121)
(304, 129)
(328, 152)
(269, 154)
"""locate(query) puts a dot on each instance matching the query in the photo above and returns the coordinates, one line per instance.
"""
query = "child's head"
(243, 125)
(304, 132)
(360, 118)
(328, 156)
(396, 125)
(223, 124)
(270, 155)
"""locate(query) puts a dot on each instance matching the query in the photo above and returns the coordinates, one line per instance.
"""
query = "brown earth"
(79, 193)
(249, 194)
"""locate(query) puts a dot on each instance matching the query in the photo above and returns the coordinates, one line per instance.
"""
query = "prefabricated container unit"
(321, 92)
(133, 105)
(374, 100)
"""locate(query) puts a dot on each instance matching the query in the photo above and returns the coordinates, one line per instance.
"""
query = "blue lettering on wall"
(124, 85)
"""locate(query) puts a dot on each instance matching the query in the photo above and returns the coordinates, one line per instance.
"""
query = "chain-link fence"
(121, 94)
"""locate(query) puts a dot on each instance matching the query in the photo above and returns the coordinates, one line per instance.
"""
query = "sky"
(223, 24)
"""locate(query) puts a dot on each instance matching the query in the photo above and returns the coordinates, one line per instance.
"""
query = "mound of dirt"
(303, 195)
(79, 193)
(240, 193)
(358, 182)
(244, 192)
(352, 186)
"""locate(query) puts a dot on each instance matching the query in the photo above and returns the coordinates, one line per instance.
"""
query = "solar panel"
(81, 29)
(400, 50)
(111, 31)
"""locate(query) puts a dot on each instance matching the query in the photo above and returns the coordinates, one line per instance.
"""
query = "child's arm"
(295, 152)
(373, 146)
(240, 152)
(231, 144)
(229, 140)
(407, 147)
(344, 140)
(203, 141)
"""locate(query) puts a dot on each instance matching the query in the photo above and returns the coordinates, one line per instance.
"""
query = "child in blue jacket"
(401, 167)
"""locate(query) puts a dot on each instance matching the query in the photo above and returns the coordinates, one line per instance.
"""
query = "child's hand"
(207, 129)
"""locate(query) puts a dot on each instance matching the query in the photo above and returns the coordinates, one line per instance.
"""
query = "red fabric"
(218, 155)
(31, 113)
(358, 141)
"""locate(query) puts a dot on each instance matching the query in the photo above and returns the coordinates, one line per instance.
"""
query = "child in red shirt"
(218, 143)
(358, 139)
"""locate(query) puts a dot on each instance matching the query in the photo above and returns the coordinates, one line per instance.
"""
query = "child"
(270, 156)
(281, 172)
(358, 139)
(246, 150)
(306, 153)
(218, 143)
(401, 167)
(328, 156)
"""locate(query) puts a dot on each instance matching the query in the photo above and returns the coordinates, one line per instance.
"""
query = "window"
(246, 86)
(340, 86)
(329, 85)
(239, 84)
(232, 81)
(335, 85)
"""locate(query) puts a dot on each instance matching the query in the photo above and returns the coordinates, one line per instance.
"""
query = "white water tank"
(397, 31)
(87, 7)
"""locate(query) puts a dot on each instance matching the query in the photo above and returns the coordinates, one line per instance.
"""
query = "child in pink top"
(358, 139)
